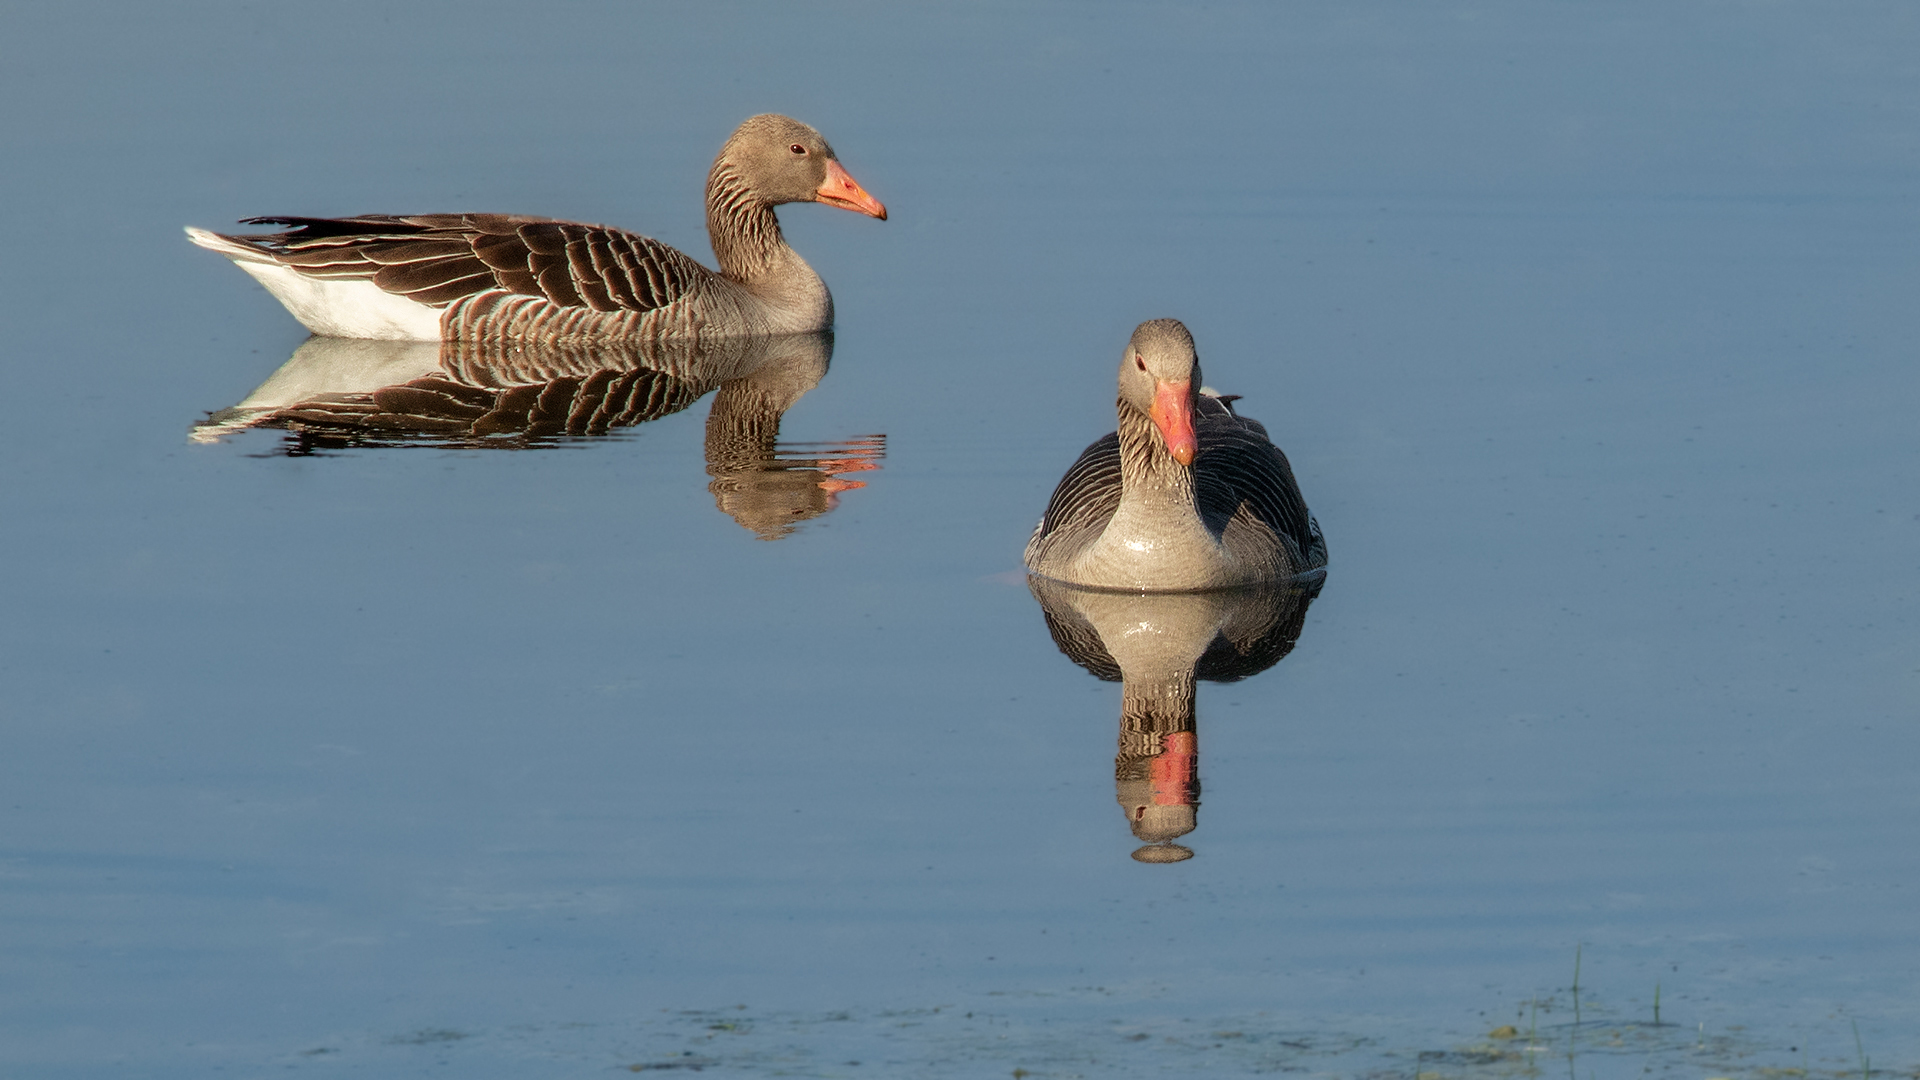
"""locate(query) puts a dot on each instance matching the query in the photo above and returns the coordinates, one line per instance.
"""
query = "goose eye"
(1139, 361)
(797, 148)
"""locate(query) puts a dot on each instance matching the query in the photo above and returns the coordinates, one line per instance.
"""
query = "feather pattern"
(442, 259)
(1239, 471)
(435, 407)
(1085, 499)
(472, 392)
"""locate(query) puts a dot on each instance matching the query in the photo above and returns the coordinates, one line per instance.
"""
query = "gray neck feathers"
(745, 234)
(1147, 471)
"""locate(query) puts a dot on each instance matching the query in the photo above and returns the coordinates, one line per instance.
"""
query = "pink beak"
(1173, 415)
(839, 189)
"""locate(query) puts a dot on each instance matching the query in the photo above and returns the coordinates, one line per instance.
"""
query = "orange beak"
(839, 189)
(1173, 415)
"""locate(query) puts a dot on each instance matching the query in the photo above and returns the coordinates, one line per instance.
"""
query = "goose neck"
(1147, 471)
(745, 234)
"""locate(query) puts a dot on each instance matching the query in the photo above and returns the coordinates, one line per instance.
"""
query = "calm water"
(1588, 329)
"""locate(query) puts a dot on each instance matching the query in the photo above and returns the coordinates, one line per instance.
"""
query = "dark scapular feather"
(1237, 467)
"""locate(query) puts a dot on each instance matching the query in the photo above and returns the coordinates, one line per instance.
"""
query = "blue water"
(1588, 330)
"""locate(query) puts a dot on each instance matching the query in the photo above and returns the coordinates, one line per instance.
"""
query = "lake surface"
(1589, 330)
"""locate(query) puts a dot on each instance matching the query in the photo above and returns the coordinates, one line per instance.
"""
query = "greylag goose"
(1157, 646)
(434, 277)
(1185, 496)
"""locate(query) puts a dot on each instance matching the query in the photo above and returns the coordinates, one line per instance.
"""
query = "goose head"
(1158, 375)
(782, 160)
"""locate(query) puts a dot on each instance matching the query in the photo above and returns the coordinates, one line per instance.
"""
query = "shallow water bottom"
(1087, 1033)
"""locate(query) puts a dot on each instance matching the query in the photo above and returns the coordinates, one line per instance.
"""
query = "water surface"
(1588, 332)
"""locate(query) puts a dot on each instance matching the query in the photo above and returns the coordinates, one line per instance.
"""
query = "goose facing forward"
(1185, 496)
(434, 277)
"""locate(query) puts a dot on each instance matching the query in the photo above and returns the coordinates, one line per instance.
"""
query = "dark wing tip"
(311, 228)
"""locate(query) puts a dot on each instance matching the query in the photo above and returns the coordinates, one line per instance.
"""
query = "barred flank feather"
(441, 259)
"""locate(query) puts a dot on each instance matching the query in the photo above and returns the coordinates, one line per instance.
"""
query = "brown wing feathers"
(437, 259)
(1240, 466)
(1089, 493)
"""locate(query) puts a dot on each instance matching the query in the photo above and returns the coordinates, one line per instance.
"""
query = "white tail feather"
(335, 307)
(232, 249)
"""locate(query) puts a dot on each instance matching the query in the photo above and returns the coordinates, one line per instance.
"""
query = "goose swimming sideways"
(1185, 496)
(434, 277)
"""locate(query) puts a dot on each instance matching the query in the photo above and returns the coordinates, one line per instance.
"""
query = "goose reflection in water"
(1156, 646)
(348, 392)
